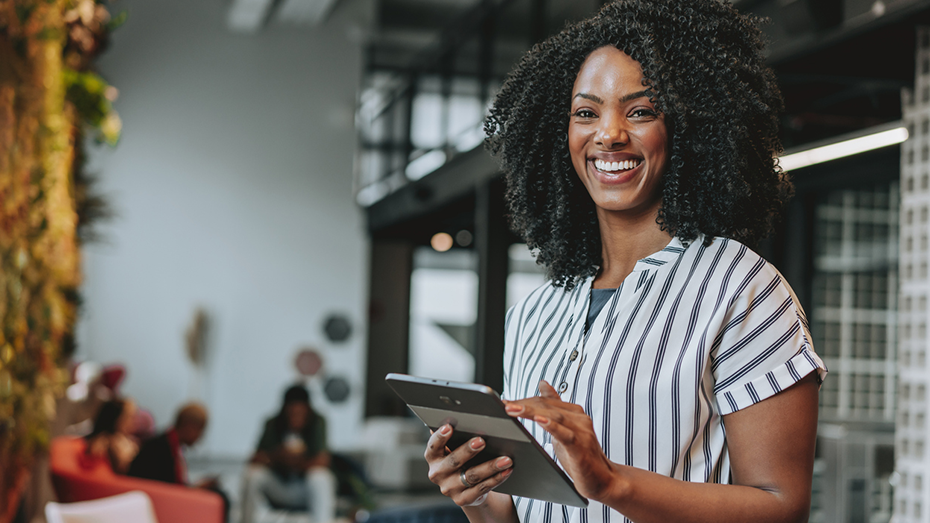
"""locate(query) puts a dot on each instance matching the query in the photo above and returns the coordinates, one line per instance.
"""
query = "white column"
(912, 459)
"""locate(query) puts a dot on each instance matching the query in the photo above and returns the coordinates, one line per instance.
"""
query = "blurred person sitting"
(291, 465)
(160, 458)
(111, 440)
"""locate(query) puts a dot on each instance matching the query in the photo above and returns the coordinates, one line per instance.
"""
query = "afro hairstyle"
(703, 67)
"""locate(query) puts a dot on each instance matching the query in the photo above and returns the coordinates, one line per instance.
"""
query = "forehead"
(608, 69)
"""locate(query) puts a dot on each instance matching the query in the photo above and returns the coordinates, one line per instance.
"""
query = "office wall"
(233, 189)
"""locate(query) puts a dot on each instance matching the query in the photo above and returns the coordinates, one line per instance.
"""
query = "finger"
(530, 407)
(472, 496)
(436, 445)
(461, 455)
(547, 400)
(475, 475)
(548, 391)
(515, 408)
(559, 432)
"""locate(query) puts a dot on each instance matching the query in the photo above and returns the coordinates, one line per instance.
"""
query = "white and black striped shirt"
(692, 334)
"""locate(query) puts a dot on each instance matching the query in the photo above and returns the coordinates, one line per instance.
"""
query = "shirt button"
(563, 387)
(574, 355)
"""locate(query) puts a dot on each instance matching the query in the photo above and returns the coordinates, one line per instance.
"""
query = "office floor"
(230, 474)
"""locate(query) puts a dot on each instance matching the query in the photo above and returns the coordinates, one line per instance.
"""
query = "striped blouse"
(692, 334)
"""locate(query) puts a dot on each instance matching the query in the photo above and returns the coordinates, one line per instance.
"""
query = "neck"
(625, 239)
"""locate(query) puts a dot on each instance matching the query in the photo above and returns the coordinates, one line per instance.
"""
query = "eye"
(643, 113)
(584, 114)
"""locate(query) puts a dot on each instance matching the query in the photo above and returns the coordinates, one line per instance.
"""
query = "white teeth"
(625, 165)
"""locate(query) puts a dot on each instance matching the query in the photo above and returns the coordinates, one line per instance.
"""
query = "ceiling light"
(833, 151)
(441, 241)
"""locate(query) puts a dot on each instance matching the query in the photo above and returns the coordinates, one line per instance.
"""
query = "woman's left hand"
(573, 437)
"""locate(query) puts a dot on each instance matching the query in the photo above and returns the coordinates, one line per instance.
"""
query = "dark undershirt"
(599, 298)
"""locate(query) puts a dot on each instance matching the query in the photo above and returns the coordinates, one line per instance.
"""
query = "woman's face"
(297, 414)
(617, 140)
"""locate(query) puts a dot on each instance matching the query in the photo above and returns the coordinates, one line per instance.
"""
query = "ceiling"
(841, 63)
(251, 16)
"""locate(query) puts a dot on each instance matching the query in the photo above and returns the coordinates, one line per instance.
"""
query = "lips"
(615, 168)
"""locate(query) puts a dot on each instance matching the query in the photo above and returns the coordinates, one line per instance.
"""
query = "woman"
(111, 440)
(639, 148)
(291, 464)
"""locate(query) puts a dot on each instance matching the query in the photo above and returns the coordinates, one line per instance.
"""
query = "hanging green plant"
(49, 98)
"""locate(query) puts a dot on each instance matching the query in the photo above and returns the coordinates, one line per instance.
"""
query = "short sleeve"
(764, 345)
(321, 444)
(270, 439)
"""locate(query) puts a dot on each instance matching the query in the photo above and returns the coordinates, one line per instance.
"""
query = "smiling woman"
(665, 366)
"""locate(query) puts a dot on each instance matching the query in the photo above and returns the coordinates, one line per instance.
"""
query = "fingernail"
(504, 463)
(477, 443)
(514, 409)
(541, 420)
(444, 429)
(507, 473)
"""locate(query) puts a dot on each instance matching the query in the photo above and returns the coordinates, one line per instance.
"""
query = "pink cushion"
(77, 478)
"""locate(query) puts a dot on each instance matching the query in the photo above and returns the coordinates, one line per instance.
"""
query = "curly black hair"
(704, 68)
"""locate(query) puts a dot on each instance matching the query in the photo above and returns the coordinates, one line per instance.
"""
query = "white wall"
(233, 187)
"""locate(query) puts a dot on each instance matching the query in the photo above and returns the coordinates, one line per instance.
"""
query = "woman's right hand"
(445, 469)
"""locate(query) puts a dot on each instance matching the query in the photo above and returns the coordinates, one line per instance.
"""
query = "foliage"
(49, 97)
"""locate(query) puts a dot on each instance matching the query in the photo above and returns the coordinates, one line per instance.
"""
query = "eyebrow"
(624, 99)
(586, 96)
(633, 96)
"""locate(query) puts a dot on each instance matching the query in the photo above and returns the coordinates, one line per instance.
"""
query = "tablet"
(477, 410)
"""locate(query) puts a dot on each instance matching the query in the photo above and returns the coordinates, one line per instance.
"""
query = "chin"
(625, 206)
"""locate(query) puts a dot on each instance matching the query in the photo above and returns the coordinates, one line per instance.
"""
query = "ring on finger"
(464, 479)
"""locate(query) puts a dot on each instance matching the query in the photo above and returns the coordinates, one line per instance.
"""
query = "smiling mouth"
(615, 168)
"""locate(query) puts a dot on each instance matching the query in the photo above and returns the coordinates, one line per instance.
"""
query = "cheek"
(660, 142)
(576, 143)
(657, 144)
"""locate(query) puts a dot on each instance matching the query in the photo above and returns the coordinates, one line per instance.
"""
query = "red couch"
(73, 481)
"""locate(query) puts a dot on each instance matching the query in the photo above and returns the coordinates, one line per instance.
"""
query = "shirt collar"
(671, 252)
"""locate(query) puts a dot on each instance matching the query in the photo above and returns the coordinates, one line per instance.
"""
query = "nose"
(612, 132)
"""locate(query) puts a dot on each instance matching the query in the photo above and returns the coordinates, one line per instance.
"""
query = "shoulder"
(740, 268)
(724, 249)
(543, 295)
(270, 427)
(157, 442)
(738, 279)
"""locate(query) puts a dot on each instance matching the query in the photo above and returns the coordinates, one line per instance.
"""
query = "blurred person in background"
(160, 458)
(291, 464)
(111, 439)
